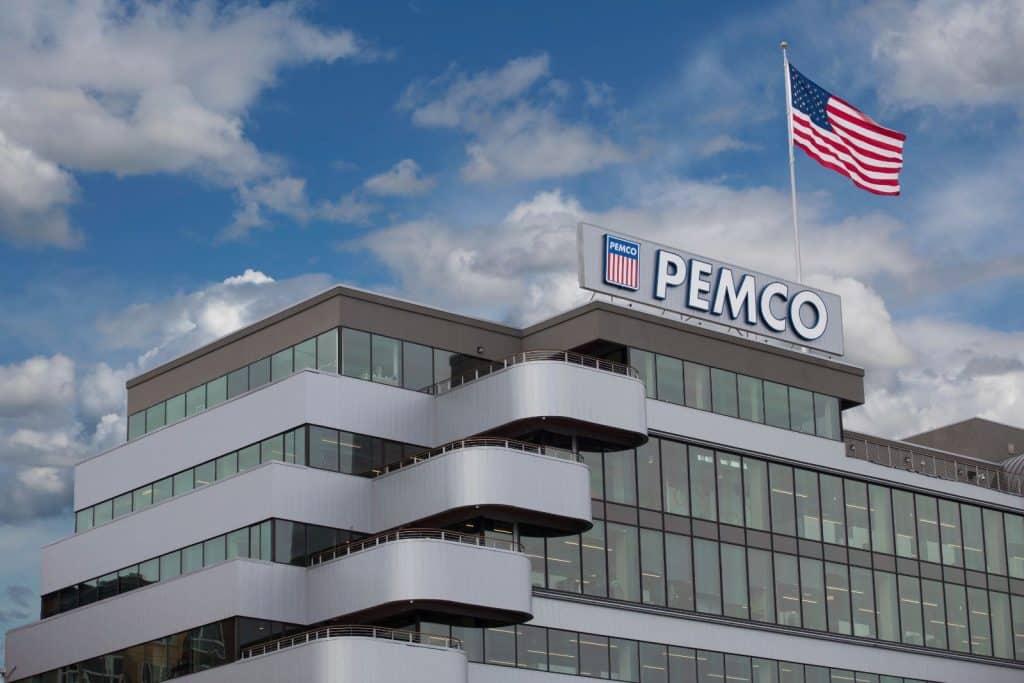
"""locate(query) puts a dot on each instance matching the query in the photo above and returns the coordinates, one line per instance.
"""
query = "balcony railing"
(489, 442)
(405, 534)
(329, 632)
(570, 357)
(903, 456)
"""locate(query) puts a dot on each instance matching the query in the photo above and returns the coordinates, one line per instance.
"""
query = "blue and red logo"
(621, 262)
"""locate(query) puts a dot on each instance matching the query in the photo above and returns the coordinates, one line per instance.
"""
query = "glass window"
(355, 353)
(1017, 610)
(162, 490)
(956, 618)
(417, 366)
(195, 400)
(624, 657)
(762, 587)
(214, 551)
(142, 497)
(801, 410)
(238, 544)
(910, 610)
(563, 560)
(783, 512)
(443, 365)
(755, 483)
(670, 379)
(623, 567)
(751, 398)
(500, 645)
(808, 506)
(698, 385)
(594, 460)
(533, 548)
(594, 656)
(734, 582)
(833, 525)
(83, 520)
(184, 482)
(933, 604)
(974, 537)
(981, 635)
(531, 647)
(205, 473)
(305, 355)
(764, 670)
(259, 373)
(887, 602)
(652, 567)
(880, 512)
(226, 465)
(216, 391)
(175, 408)
(949, 533)
(103, 512)
(289, 542)
(192, 558)
(995, 547)
(643, 362)
(107, 586)
(281, 364)
(563, 652)
(648, 465)
(595, 576)
(710, 667)
(156, 416)
(702, 483)
(122, 505)
(857, 529)
(707, 576)
(149, 571)
(723, 393)
(862, 599)
(905, 523)
(620, 476)
(272, 449)
(128, 579)
(472, 641)
(837, 598)
(248, 457)
(927, 528)
(812, 583)
(327, 351)
(675, 474)
(730, 489)
(323, 448)
(136, 425)
(238, 382)
(787, 590)
(387, 360)
(682, 665)
(776, 405)
(826, 416)
(679, 571)
(653, 663)
(737, 668)
(1002, 630)
(1015, 544)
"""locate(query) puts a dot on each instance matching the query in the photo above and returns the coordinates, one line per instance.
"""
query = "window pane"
(162, 490)
(443, 365)
(136, 425)
(563, 652)
(648, 463)
(707, 576)
(679, 571)
(702, 483)
(1002, 631)
(974, 537)
(531, 647)
(205, 474)
(787, 590)
(623, 565)
(156, 417)
(327, 351)
(281, 364)
(142, 497)
(1015, 544)
(107, 586)
(643, 361)
(214, 551)
(122, 505)
(103, 512)
(723, 392)
(564, 563)
(620, 476)
(881, 518)
(259, 373)
(248, 457)
(826, 416)
(387, 360)
(533, 548)
(933, 603)
(837, 597)
(499, 645)
(862, 597)
(670, 378)
(927, 528)
(886, 602)
(710, 667)
(652, 567)
(833, 525)
(812, 584)
(734, 582)
(175, 408)
(128, 579)
(956, 618)
(184, 482)
(83, 520)
(323, 448)
(216, 391)
(355, 353)
(593, 655)
(751, 398)
(764, 670)
(289, 542)
(762, 587)
(755, 483)
(195, 400)
(995, 547)
(949, 533)
(594, 461)
(730, 489)
(808, 506)
(272, 449)
(783, 512)
(149, 571)
(653, 663)
(1017, 608)
(238, 544)
(595, 577)
(981, 636)
(192, 558)
(227, 465)
(682, 665)
(624, 659)
(675, 471)
(417, 366)
(737, 668)
(905, 523)
(776, 405)
(801, 410)
(857, 533)
(698, 385)
(238, 382)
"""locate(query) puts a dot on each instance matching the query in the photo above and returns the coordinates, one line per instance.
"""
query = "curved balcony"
(351, 631)
(548, 488)
(546, 390)
(421, 570)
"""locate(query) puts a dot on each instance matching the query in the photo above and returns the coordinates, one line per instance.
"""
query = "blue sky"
(171, 171)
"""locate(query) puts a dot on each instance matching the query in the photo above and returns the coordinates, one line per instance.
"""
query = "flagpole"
(792, 171)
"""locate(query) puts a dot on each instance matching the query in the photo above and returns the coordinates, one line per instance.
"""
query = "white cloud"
(513, 124)
(401, 180)
(725, 143)
(286, 196)
(34, 194)
(36, 385)
(598, 94)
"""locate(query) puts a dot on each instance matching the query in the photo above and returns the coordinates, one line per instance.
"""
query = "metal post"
(792, 170)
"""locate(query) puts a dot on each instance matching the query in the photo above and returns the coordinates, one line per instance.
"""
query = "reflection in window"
(620, 477)
(531, 647)
(417, 366)
(887, 602)
(624, 659)
(801, 410)
(679, 571)
(734, 581)
(563, 652)
(355, 353)
(880, 514)
(862, 599)
(698, 385)
(776, 405)
(949, 533)
(594, 656)
(706, 576)
(808, 505)
(675, 473)
(595, 577)
(643, 362)
(751, 398)
(755, 499)
(652, 567)
(933, 604)
(702, 483)
(927, 528)
(723, 392)
(857, 531)
(648, 464)
(623, 565)
(787, 590)
(833, 525)
(956, 618)
(670, 379)
(783, 512)
(837, 598)
(812, 584)
(387, 360)
(730, 489)
(762, 587)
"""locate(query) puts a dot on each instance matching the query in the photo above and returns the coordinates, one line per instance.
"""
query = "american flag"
(621, 262)
(841, 137)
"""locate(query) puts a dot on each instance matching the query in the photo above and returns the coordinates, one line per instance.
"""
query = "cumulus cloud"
(286, 196)
(36, 385)
(401, 180)
(511, 116)
(34, 194)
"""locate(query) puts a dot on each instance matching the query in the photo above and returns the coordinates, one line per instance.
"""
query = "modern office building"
(362, 489)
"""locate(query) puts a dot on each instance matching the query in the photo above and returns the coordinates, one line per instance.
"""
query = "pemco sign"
(657, 275)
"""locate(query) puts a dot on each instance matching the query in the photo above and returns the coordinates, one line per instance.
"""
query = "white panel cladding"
(542, 389)
(273, 489)
(482, 476)
(238, 587)
(345, 660)
(761, 643)
(812, 450)
(420, 569)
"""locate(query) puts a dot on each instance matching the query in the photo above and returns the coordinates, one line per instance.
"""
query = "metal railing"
(511, 444)
(328, 632)
(405, 534)
(571, 357)
(903, 456)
